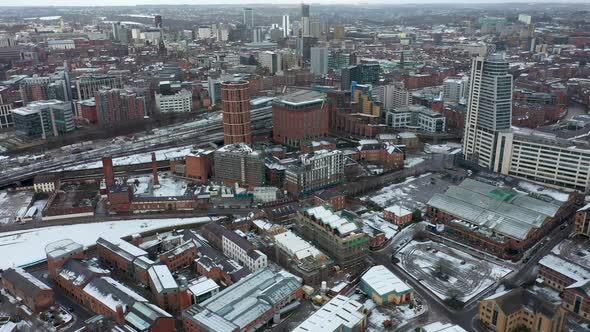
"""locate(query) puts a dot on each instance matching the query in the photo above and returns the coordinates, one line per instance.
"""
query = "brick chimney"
(109, 174)
(155, 169)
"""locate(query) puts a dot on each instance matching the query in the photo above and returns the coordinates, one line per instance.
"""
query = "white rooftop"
(567, 268)
(334, 221)
(398, 210)
(296, 246)
(341, 313)
(383, 281)
(440, 327)
(202, 286)
(162, 278)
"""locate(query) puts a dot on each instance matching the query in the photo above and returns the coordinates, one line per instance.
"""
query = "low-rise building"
(144, 316)
(384, 287)
(440, 327)
(398, 214)
(46, 183)
(235, 247)
(333, 198)
(34, 293)
(202, 289)
(512, 309)
(559, 273)
(247, 305)
(501, 221)
(339, 314)
(168, 294)
(576, 299)
(415, 118)
(583, 221)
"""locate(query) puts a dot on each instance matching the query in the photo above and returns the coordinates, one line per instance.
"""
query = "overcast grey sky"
(210, 2)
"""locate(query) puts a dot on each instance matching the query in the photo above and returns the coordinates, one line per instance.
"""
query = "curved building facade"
(235, 105)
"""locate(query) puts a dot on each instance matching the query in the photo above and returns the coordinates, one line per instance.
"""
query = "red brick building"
(583, 221)
(235, 105)
(198, 165)
(335, 199)
(180, 257)
(576, 299)
(398, 215)
(34, 293)
(298, 117)
(559, 273)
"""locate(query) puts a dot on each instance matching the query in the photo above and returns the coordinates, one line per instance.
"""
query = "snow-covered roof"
(398, 210)
(162, 278)
(296, 246)
(383, 281)
(245, 301)
(564, 267)
(440, 327)
(341, 313)
(202, 286)
(333, 220)
(111, 293)
(122, 248)
(59, 248)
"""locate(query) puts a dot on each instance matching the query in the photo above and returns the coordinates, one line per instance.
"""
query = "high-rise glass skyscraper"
(249, 17)
(305, 23)
(489, 108)
(286, 26)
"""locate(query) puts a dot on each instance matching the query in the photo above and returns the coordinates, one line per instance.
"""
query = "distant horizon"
(132, 3)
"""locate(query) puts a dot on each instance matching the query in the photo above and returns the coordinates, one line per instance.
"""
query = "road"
(467, 316)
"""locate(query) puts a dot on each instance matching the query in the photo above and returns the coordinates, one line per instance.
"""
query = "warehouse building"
(384, 287)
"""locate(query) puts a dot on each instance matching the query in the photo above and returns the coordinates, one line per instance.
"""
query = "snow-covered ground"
(28, 246)
(413, 161)
(397, 314)
(467, 274)
(395, 192)
(13, 204)
(169, 185)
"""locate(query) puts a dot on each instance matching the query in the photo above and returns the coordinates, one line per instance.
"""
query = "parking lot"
(447, 272)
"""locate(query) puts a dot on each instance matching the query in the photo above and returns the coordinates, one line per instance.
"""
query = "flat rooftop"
(301, 98)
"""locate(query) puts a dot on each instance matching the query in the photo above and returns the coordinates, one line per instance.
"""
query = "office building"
(235, 105)
(520, 308)
(305, 22)
(320, 60)
(337, 235)
(214, 89)
(88, 85)
(248, 18)
(182, 101)
(489, 109)
(299, 116)
(43, 119)
(158, 21)
(348, 75)
(271, 61)
(286, 26)
(6, 116)
(339, 314)
(455, 89)
(114, 106)
(247, 305)
(238, 163)
(415, 118)
(524, 18)
(339, 32)
(338, 59)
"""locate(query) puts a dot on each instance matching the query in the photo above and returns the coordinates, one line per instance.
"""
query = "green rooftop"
(501, 195)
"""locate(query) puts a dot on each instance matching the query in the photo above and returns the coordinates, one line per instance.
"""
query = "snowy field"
(534, 188)
(28, 246)
(13, 204)
(461, 273)
(169, 185)
(576, 250)
(395, 192)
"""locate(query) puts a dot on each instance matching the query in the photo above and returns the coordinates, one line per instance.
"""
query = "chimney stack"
(155, 169)
(109, 174)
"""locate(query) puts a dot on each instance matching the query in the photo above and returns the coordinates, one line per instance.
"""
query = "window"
(495, 316)
(577, 304)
